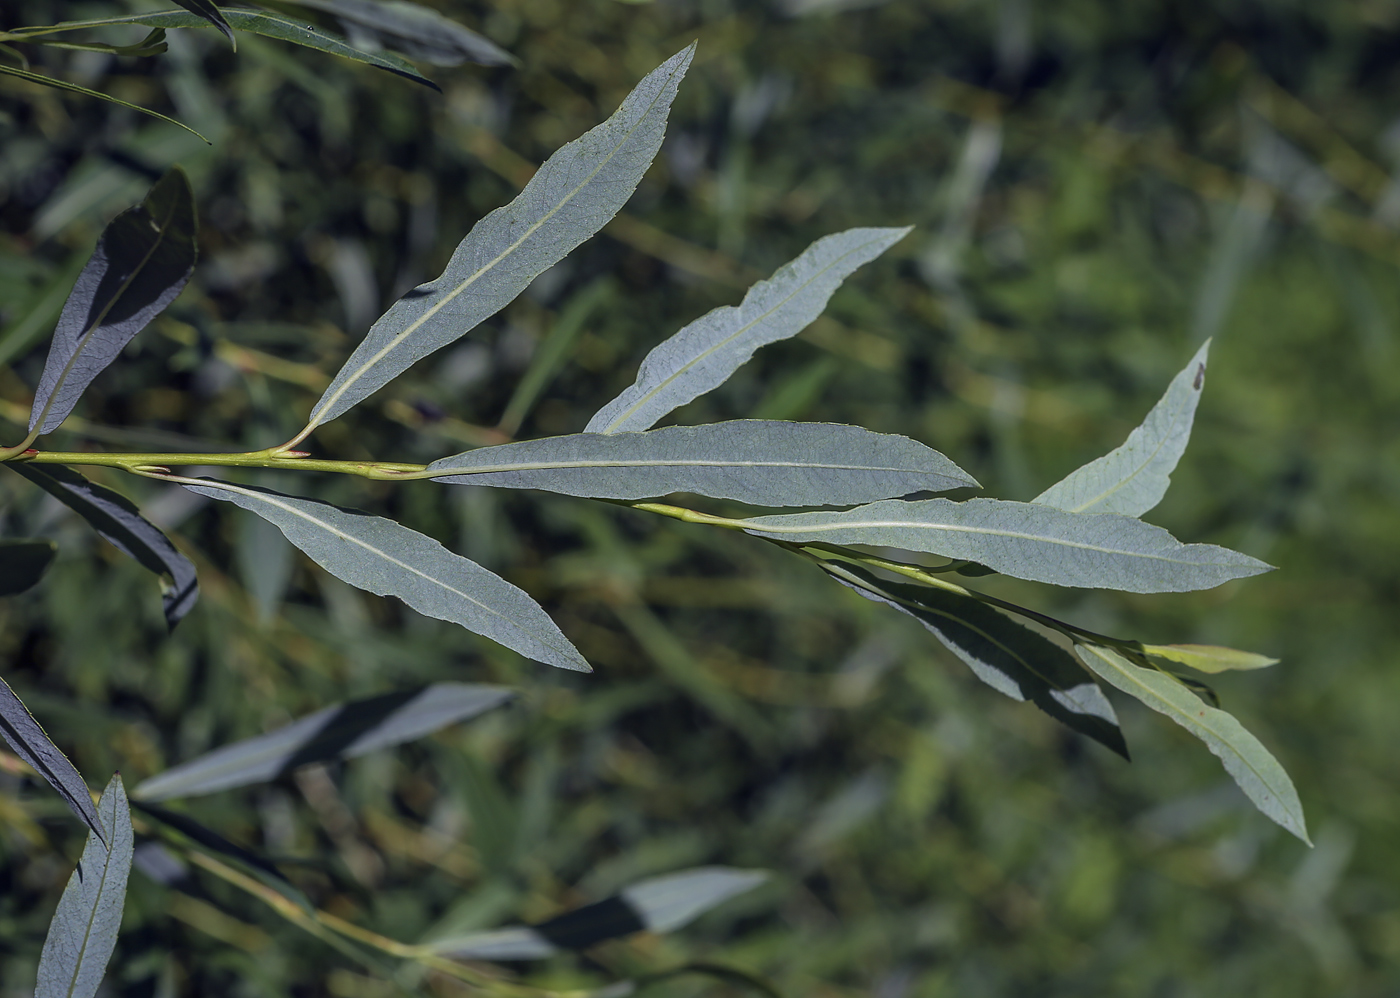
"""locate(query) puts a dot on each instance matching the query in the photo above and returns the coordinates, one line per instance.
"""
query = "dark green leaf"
(418, 32)
(210, 13)
(34, 746)
(142, 261)
(121, 524)
(49, 81)
(23, 563)
(83, 932)
(1003, 653)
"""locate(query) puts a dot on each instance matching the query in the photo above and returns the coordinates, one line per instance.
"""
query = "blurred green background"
(1097, 187)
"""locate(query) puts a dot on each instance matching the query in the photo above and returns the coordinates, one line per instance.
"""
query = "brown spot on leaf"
(1200, 377)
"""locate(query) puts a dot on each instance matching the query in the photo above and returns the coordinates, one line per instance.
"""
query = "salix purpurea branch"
(860, 495)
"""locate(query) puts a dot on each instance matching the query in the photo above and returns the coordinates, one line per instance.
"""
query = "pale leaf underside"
(1133, 478)
(705, 353)
(571, 197)
(388, 559)
(763, 462)
(1251, 765)
(1026, 541)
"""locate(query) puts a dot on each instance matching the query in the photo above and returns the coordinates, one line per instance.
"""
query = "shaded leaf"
(1003, 653)
(120, 523)
(386, 558)
(153, 44)
(764, 462)
(30, 742)
(210, 13)
(49, 81)
(269, 24)
(83, 932)
(705, 353)
(570, 198)
(23, 563)
(418, 32)
(341, 731)
(1133, 478)
(142, 261)
(1210, 658)
(1246, 760)
(1026, 541)
(657, 904)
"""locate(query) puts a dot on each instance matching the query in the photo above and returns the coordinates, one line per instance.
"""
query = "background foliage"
(1096, 187)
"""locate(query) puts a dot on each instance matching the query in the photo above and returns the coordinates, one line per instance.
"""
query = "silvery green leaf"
(341, 731)
(418, 32)
(32, 744)
(1133, 478)
(705, 353)
(667, 903)
(657, 904)
(763, 462)
(1257, 772)
(23, 563)
(1003, 653)
(388, 559)
(570, 198)
(83, 932)
(1026, 541)
(121, 524)
(141, 263)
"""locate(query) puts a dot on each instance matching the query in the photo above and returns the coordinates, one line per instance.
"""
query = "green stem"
(379, 470)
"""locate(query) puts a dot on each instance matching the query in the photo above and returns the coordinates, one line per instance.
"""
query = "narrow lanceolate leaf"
(120, 523)
(1210, 658)
(269, 24)
(57, 84)
(764, 462)
(658, 904)
(33, 745)
(418, 32)
(341, 731)
(386, 558)
(705, 353)
(206, 10)
(1026, 541)
(1133, 478)
(570, 198)
(1256, 771)
(22, 564)
(142, 261)
(1004, 654)
(83, 932)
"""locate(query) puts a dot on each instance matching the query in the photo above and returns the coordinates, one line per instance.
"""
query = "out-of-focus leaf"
(1257, 772)
(210, 13)
(705, 353)
(341, 731)
(1210, 658)
(34, 746)
(388, 559)
(49, 81)
(763, 462)
(142, 261)
(23, 563)
(1133, 478)
(265, 564)
(46, 305)
(1025, 541)
(120, 523)
(658, 904)
(418, 32)
(269, 24)
(83, 932)
(1002, 653)
(729, 975)
(570, 198)
(211, 841)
